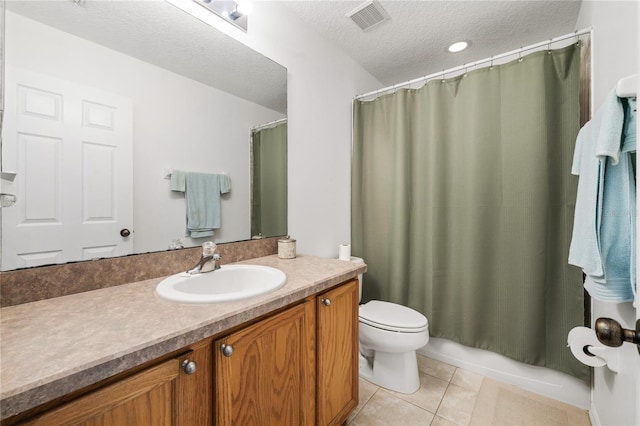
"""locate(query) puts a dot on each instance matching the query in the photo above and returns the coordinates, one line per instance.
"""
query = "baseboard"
(593, 416)
(543, 381)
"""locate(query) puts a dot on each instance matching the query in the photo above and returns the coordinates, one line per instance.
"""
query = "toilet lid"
(391, 316)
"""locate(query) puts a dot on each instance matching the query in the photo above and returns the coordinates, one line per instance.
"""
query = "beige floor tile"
(365, 392)
(467, 379)
(436, 368)
(503, 404)
(429, 395)
(385, 409)
(441, 421)
(457, 404)
(469, 398)
(578, 417)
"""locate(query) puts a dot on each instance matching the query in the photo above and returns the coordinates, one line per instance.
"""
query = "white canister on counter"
(287, 248)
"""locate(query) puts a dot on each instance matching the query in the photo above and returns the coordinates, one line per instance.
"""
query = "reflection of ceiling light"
(458, 46)
(234, 12)
(243, 8)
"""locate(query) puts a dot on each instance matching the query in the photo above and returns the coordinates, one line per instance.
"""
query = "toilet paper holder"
(610, 333)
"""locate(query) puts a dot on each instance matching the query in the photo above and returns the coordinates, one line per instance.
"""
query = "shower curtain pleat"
(462, 205)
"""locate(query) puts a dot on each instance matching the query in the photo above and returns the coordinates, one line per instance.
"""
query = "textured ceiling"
(414, 42)
(171, 39)
(411, 44)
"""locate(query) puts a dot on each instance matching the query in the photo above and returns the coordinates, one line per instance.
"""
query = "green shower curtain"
(462, 205)
(269, 181)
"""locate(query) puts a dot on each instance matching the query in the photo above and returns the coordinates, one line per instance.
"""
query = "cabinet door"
(164, 395)
(144, 399)
(194, 402)
(265, 373)
(337, 325)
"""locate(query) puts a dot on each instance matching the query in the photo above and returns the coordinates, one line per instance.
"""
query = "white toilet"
(390, 334)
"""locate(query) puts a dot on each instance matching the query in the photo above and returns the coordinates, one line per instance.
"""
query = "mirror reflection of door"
(72, 147)
(269, 179)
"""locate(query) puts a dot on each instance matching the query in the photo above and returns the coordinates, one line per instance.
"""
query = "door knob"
(125, 232)
(326, 302)
(609, 332)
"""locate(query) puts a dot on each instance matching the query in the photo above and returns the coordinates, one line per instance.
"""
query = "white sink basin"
(229, 283)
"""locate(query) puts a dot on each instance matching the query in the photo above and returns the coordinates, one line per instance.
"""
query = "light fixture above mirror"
(234, 12)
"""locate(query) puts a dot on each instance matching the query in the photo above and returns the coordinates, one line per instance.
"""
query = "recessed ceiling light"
(458, 46)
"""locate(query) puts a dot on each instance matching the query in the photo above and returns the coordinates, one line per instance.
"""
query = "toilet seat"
(392, 317)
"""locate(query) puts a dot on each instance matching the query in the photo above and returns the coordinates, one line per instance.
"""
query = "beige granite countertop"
(52, 347)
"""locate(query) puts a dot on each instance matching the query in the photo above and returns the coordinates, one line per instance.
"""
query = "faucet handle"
(217, 257)
(208, 248)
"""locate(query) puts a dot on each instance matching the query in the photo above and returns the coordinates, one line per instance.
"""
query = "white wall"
(615, 54)
(178, 123)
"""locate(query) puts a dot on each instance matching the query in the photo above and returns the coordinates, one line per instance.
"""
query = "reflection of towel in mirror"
(202, 193)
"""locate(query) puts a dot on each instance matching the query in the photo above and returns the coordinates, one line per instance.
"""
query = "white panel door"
(72, 149)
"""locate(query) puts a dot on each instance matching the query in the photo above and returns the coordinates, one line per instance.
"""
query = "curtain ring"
(549, 47)
(491, 66)
(520, 55)
(442, 81)
(577, 38)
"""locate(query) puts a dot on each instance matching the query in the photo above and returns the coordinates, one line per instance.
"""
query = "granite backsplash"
(45, 282)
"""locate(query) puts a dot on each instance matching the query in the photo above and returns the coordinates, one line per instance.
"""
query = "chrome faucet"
(208, 256)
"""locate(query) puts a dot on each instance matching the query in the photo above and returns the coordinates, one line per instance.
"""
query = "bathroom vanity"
(123, 356)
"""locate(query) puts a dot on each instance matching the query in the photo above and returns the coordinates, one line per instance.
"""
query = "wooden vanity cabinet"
(299, 367)
(161, 395)
(295, 367)
(337, 353)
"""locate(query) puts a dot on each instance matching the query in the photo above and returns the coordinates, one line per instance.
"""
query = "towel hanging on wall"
(202, 194)
(604, 239)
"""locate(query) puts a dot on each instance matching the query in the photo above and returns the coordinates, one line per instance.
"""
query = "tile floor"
(450, 396)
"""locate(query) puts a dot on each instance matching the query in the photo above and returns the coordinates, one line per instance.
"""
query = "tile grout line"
(443, 395)
(356, 413)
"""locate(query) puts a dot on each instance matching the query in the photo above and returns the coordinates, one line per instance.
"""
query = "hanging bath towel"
(603, 241)
(202, 193)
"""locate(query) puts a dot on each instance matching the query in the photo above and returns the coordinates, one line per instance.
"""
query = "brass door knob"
(609, 332)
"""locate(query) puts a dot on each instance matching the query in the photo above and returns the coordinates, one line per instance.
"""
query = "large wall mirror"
(103, 101)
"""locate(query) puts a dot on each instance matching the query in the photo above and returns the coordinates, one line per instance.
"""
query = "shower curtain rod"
(269, 124)
(465, 67)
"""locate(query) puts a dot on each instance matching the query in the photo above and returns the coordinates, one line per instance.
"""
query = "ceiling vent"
(368, 15)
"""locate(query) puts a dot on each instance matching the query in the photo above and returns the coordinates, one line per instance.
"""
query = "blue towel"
(603, 242)
(202, 193)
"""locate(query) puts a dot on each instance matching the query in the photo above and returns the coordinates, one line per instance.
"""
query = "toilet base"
(394, 371)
